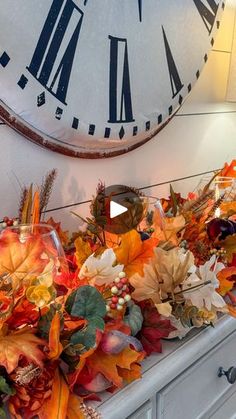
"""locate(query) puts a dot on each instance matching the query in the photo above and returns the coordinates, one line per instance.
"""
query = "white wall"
(201, 137)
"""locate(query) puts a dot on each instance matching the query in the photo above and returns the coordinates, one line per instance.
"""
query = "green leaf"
(134, 318)
(45, 321)
(5, 388)
(2, 413)
(86, 302)
(97, 322)
(85, 337)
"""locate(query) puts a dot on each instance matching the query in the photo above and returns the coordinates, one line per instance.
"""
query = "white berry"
(119, 307)
(127, 297)
(15, 223)
(117, 280)
(121, 301)
(108, 308)
(114, 290)
(4, 225)
(122, 275)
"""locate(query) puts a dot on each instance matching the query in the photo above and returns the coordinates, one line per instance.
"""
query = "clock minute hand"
(140, 9)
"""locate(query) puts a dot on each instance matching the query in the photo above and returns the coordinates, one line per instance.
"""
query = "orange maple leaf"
(166, 229)
(231, 310)
(229, 170)
(116, 367)
(63, 235)
(74, 408)
(130, 375)
(56, 407)
(23, 342)
(134, 253)
(55, 345)
(225, 284)
(20, 259)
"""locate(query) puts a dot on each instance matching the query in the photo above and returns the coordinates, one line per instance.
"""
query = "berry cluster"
(120, 293)
(9, 222)
(218, 252)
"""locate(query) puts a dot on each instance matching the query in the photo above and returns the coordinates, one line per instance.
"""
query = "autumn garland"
(71, 334)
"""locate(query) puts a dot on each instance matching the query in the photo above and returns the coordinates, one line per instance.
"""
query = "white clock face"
(96, 78)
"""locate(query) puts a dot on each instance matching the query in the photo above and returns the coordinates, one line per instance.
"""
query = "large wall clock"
(97, 78)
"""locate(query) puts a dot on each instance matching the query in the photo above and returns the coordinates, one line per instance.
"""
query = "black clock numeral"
(140, 9)
(119, 76)
(208, 14)
(53, 57)
(175, 81)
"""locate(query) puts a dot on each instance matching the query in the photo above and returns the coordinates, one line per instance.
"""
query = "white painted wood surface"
(199, 138)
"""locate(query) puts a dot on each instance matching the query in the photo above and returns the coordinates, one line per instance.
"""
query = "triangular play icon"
(116, 209)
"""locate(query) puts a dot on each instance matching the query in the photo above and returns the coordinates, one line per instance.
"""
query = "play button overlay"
(116, 209)
(119, 209)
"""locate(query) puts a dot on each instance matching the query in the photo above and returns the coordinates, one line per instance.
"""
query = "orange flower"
(33, 388)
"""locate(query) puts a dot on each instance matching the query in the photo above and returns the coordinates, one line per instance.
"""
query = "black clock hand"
(140, 9)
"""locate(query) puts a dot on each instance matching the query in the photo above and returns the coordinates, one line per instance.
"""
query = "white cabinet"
(227, 410)
(144, 412)
(183, 382)
(196, 391)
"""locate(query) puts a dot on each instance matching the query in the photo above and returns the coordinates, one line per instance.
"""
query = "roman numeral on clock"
(120, 103)
(53, 57)
(207, 12)
(175, 81)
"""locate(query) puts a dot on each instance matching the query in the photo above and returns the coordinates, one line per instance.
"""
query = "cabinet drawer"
(227, 409)
(193, 394)
(144, 412)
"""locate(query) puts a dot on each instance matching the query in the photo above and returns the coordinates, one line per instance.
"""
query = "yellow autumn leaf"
(134, 253)
(83, 251)
(229, 244)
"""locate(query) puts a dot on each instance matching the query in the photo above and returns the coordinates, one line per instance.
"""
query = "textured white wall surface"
(201, 137)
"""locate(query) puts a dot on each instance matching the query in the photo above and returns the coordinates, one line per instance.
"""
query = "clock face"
(95, 78)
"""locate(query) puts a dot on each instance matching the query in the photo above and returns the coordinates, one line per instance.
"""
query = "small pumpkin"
(134, 318)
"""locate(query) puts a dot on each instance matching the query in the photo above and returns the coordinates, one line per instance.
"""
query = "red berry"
(113, 306)
(119, 286)
(9, 223)
(123, 294)
(114, 300)
(124, 281)
(5, 219)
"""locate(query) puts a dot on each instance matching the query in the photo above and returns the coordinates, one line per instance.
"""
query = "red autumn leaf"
(229, 170)
(154, 328)
(24, 313)
(68, 279)
(233, 263)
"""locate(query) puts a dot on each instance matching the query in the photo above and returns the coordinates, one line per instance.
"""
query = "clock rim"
(43, 140)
